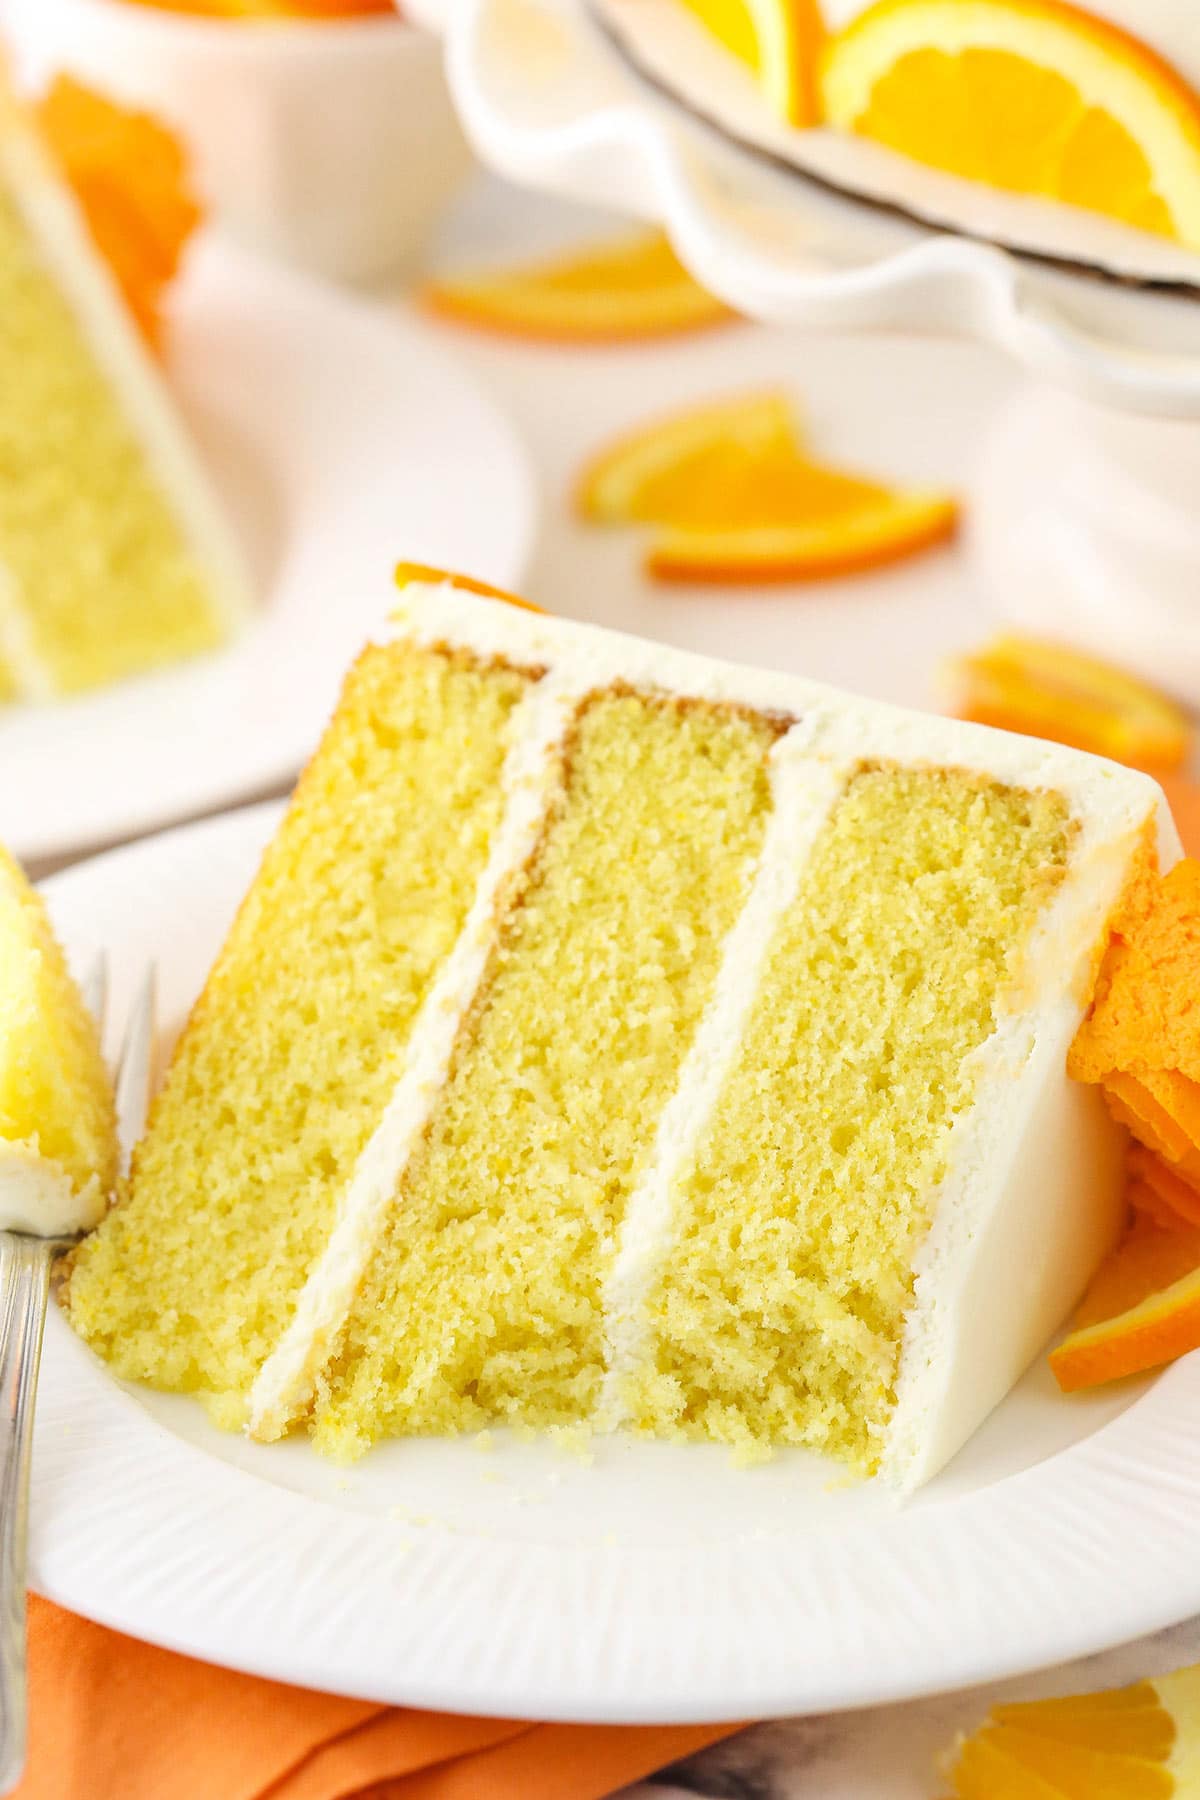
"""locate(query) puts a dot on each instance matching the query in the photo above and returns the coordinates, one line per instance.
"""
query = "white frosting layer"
(530, 776)
(37, 1196)
(1031, 1201)
(53, 218)
(803, 793)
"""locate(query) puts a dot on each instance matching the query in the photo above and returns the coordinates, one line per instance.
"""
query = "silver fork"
(25, 1267)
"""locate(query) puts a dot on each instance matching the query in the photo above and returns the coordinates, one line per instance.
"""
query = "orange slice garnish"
(1046, 690)
(1035, 96)
(1134, 1743)
(407, 574)
(1142, 1309)
(735, 500)
(1159, 1192)
(646, 474)
(132, 182)
(634, 289)
(780, 40)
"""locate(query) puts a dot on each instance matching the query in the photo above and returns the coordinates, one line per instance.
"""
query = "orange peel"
(1106, 124)
(734, 499)
(636, 288)
(1048, 690)
(131, 179)
(406, 573)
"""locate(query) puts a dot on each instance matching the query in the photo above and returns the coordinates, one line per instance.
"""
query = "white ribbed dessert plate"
(629, 104)
(653, 1582)
(342, 437)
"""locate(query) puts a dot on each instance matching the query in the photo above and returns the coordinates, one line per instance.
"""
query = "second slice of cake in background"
(620, 1039)
(115, 556)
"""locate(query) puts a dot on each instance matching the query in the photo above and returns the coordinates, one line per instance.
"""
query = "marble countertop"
(890, 1753)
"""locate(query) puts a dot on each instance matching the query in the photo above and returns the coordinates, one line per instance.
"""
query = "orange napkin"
(113, 1719)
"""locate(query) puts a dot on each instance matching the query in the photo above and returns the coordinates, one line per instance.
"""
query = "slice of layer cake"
(114, 554)
(615, 1037)
(58, 1134)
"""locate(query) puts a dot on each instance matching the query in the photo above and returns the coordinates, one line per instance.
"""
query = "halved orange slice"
(780, 40)
(650, 472)
(633, 289)
(1048, 690)
(735, 500)
(1135, 1743)
(1036, 96)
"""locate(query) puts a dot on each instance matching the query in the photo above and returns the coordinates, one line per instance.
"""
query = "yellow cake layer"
(105, 578)
(483, 1303)
(55, 1097)
(299, 1038)
(777, 1316)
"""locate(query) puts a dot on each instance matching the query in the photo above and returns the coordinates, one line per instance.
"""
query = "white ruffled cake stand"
(1085, 514)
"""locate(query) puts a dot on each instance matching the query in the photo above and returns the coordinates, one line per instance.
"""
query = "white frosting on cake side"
(1034, 1196)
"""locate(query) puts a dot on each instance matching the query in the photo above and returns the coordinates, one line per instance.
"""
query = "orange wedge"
(634, 289)
(647, 474)
(1046, 690)
(1035, 96)
(1135, 1743)
(131, 179)
(736, 501)
(1142, 1309)
(780, 40)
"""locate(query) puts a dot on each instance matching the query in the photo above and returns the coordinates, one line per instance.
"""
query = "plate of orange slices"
(1023, 171)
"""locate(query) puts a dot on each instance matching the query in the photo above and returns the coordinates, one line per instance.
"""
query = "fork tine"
(94, 988)
(136, 1066)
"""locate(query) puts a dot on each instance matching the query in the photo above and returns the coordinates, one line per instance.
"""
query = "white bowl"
(332, 144)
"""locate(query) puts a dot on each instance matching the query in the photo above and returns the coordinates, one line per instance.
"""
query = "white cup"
(330, 143)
